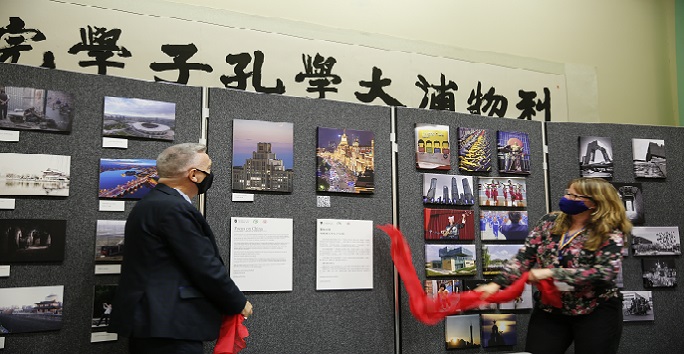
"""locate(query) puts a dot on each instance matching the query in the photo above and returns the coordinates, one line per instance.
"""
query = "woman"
(580, 249)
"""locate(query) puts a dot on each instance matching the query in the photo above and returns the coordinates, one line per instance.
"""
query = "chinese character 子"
(439, 96)
(489, 104)
(101, 45)
(375, 90)
(14, 38)
(529, 108)
(180, 54)
(319, 71)
(240, 61)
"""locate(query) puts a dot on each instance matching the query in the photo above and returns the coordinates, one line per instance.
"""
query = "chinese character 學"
(489, 104)
(180, 54)
(319, 70)
(13, 39)
(529, 108)
(100, 44)
(441, 98)
(240, 61)
(375, 90)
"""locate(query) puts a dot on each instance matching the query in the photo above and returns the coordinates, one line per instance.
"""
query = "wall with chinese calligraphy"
(211, 54)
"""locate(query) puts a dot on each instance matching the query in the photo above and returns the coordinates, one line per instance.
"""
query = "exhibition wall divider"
(310, 168)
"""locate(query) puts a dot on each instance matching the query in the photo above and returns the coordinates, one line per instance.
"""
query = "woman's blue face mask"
(572, 207)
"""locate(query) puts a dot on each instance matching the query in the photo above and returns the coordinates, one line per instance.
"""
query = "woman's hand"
(538, 274)
(488, 289)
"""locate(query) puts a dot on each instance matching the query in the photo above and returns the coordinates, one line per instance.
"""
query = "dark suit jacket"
(173, 281)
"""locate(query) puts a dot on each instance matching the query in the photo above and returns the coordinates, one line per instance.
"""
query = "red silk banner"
(429, 310)
(231, 339)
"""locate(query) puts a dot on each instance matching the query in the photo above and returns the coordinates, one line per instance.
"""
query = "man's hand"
(488, 289)
(247, 311)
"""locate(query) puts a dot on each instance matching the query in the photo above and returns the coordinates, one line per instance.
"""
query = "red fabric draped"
(429, 310)
(232, 336)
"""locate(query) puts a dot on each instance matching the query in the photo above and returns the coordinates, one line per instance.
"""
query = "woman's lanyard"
(564, 243)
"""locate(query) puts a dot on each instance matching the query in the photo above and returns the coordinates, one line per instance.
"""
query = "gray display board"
(415, 336)
(661, 198)
(80, 208)
(306, 320)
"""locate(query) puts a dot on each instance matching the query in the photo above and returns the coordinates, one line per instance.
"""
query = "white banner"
(106, 41)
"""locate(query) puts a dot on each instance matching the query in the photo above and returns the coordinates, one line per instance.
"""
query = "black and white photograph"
(632, 198)
(32, 309)
(125, 117)
(32, 240)
(656, 241)
(659, 272)
(34, 175)
(649, 158)
(102, 306)
(448, 189)
(448, 260)
(109, 241)
(36, 109)
(637, 306)
(595, 156)
(462, 331)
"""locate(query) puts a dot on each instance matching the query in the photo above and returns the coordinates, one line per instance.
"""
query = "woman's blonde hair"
(608, 215)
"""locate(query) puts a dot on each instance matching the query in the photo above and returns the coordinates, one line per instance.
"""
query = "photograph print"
(502, 191)
(523, 302)
(125, 117)
(637, 306)
(441, 289)
(344, 161)
(499, 329)
(656, 241)
(102, 307)
(32, 309)
(462, 331)
(34, 175)
(513, 152)
(109, 241)
(474, 150)
(472, 284)
(127, 178)
(448, 189)
(36, 109)
(263, 156)
(595, 156)
(449, 224)
(649, 158)
(432, 147)
(442, 260)
(633, 200)
(503, 225)
(32, 240)
(659, 272)
(496, 257)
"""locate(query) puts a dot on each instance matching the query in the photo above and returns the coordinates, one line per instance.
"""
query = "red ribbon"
(231, 339)
(431, 310)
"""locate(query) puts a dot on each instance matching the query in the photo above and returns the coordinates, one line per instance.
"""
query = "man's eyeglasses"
(574, 196)
(205, 172)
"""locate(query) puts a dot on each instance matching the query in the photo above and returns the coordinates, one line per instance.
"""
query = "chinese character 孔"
(240, 61)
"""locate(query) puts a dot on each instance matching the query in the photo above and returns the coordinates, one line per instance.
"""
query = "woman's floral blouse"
(592, 274)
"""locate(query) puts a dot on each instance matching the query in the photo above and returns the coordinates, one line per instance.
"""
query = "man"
(515, 230)
(174, 288)
(4, 99)
(453, 229)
